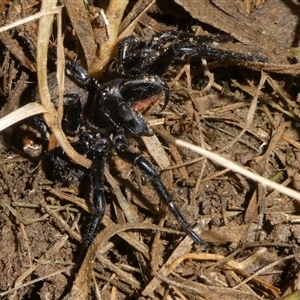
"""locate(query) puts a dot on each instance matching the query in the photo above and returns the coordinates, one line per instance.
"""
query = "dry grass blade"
(114, 16)
(20, 114)
(234, 167)
(50, 11)
(45, 26)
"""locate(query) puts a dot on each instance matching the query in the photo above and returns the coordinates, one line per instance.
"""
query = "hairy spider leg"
(100, 154)
(121, 146)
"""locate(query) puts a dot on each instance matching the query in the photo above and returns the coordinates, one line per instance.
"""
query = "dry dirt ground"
(246, 112)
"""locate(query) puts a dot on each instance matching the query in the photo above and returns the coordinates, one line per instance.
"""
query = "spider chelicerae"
(112, 112)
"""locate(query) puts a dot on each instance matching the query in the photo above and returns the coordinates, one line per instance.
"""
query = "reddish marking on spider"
(142, 104)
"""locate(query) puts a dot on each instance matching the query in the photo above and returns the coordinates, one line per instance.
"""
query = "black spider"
(112, 112)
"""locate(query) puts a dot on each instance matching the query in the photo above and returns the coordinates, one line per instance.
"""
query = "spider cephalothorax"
(112, 112)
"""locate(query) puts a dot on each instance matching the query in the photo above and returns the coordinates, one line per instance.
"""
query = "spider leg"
(75, 71)
(136, 57)
(65, 170)
(205, 50)
(191, 45)
(121, 146)
(72, 113)
(100, 153)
